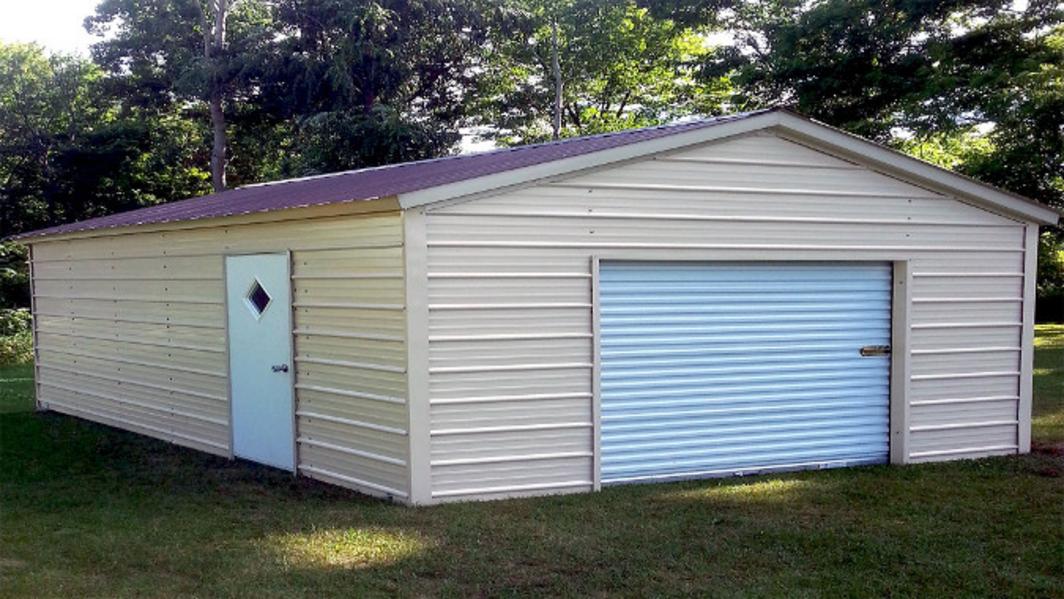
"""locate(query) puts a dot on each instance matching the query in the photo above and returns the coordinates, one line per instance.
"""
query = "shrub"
(16, 337)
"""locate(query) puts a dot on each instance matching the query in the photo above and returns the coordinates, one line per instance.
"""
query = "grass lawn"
(86, 510)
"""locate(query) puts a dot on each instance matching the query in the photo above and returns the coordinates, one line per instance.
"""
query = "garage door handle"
(875, 350)
(279, 368)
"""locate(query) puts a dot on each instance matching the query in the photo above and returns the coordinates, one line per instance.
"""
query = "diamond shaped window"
(257, 298)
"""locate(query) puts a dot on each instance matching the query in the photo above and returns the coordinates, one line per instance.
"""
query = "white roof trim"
(855, 148)
(915, 170)
(584, 161)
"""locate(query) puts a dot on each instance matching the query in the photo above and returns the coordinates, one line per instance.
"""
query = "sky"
(54, 24)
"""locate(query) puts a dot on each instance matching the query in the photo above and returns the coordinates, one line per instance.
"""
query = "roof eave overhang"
(914, 170)
(251, 217)
(859, 150)
(582, 162)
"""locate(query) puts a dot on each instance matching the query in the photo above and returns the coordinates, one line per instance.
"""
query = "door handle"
(875, 350)
(279, 368)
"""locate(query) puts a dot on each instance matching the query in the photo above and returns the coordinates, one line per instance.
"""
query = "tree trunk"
(218, 158)
(556, 67)
(214, 47)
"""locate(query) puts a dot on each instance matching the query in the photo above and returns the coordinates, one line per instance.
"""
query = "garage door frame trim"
(901, 300)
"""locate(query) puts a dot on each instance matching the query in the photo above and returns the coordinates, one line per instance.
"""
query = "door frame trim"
(291, 349)
(900, 303)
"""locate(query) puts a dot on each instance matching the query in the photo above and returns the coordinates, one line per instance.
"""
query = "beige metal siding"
(131, 332)
(510, 297)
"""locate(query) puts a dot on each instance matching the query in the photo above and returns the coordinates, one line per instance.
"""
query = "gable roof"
(428, 181)
(376, 182)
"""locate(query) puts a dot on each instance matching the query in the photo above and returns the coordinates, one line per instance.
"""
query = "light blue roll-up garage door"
(725, 368)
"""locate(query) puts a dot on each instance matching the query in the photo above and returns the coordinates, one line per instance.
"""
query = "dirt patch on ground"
(1051, 449)
(8, 563)
(1054, 467)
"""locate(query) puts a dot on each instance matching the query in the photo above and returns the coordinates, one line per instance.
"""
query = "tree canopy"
(252, 90)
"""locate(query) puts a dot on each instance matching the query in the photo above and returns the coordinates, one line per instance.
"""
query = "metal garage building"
(735, 295)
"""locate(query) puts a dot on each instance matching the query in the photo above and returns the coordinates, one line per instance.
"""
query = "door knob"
(279, 368)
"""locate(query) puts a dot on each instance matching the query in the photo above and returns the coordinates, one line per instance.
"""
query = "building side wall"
(510, 298)
(131, 332)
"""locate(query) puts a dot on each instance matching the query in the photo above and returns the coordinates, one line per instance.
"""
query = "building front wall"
(131, 332)
(510, 300)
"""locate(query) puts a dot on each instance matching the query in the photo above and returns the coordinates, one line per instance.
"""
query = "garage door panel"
(710, 368)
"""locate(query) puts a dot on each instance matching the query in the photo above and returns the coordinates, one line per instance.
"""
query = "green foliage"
(930, 68)
(952, 149)
(1051, 264)
(368, 82)
(14, 277)
(16, 338)
(621, 68)
(67, 152)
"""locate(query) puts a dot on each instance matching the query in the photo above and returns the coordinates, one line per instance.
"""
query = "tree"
(214, 14)
(925, 67)
(184, 55)
(67, 152)
(368, 82)
(620, 68)
(934, 70)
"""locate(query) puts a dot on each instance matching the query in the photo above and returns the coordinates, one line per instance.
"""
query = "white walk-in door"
(714, 369)
(259, 299)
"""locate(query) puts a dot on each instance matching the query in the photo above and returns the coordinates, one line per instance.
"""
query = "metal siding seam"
(343, 335)
(129, 298)
(347, 393)
(136, 383)
(961, 425)
(351, 451)
(513, 488)
(963, 400)
(134, 321)
(356, 482)
(349, 422)
(507, 398)
(1030, 274)
(962, 375)
(350, 364)
(589, 245)
(122, 360)
(156, 408)
(217, 252)
(718, 218)
(419, 408)
(663, 187)
(163, 434)
(962, 450)
(198, 348)
(517, 428)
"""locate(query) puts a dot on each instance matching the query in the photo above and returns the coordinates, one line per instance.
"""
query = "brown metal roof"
(373, 183)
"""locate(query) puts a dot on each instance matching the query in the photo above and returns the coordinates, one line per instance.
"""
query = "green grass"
(1047, 425)
(86, 510)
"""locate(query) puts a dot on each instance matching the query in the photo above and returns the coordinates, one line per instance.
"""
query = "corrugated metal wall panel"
(748, 202)
(740, 367)
(132, 334)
